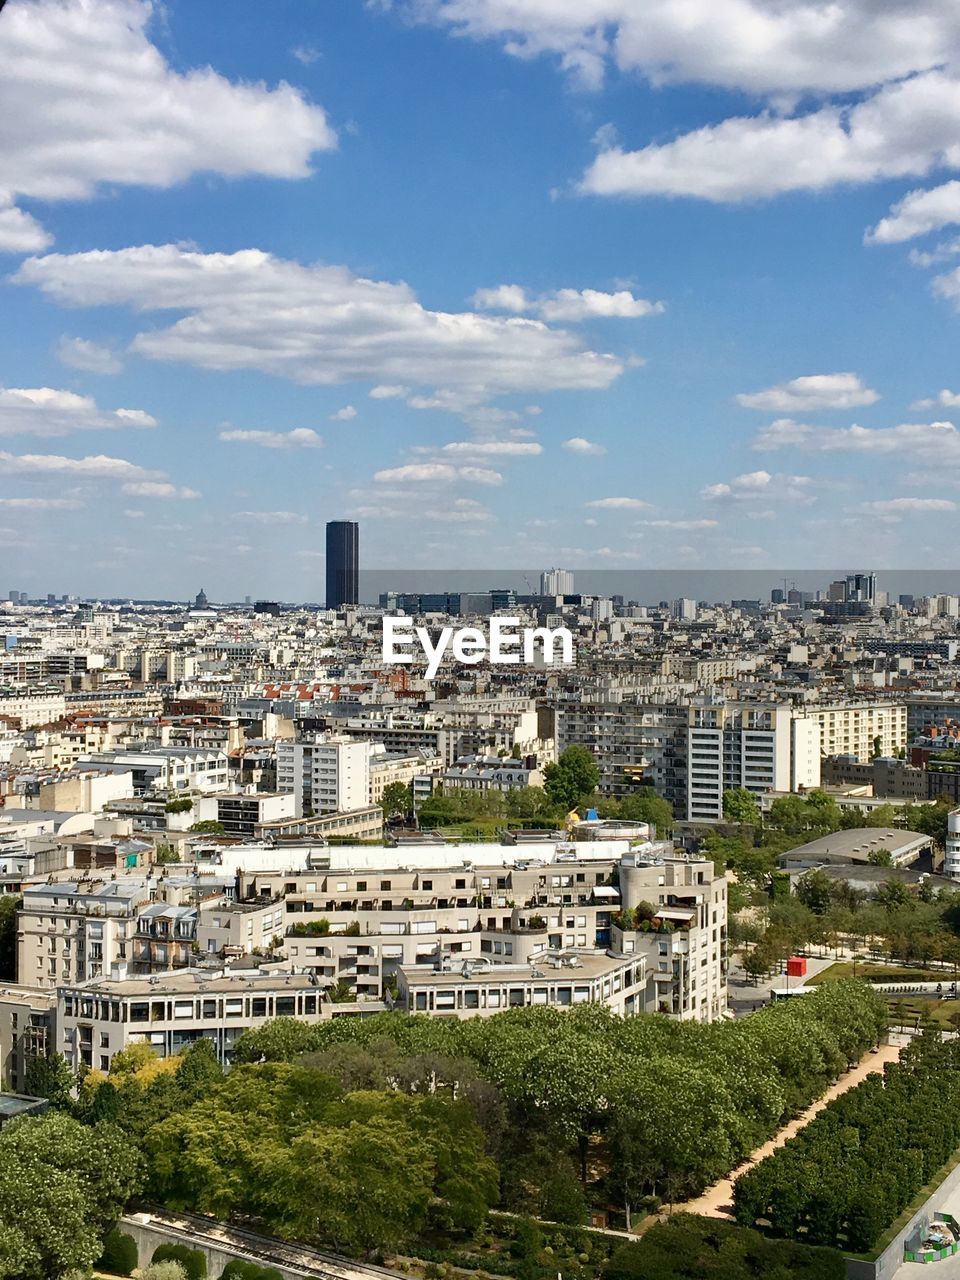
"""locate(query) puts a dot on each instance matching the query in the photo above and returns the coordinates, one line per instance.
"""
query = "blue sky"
(512, 282)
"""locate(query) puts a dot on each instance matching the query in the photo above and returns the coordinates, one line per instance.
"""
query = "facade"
(951, 862)
(491, 773)
(556, 582)
(74, 930)
(343, 563)
(26, 1031)
(861, 729)
(430, 905)
(759, 747)
(326, 774)
(96, 1019)
(557, 978)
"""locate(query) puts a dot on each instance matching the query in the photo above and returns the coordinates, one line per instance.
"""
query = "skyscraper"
(556, 582)
(343, 563)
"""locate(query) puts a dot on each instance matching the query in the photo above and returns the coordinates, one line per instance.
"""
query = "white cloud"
(306, 54)
(751, 485)
(918, 213)
(577, 444)
(921, 440)
(317, 325)
(388, 393)
(19, 232)
(566, 305)
(503, 297)
(754, 45)
(79, 353)
(272, 517)
(41, 504)
(939, 253)
(457, 511)
(618, 504)
(45, 411)
(87, 99)
(299, 438)
(907, 506)
(94, 467)
(815, 391)
(132, 514)
(493, 448)
(948, 286)
(344, 415)
(904, 130)
(678, 524)
(436, 473)
(945, 399)
(158, 489)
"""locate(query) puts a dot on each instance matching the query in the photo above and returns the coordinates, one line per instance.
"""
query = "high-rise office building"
(343, 563)
(556, 582)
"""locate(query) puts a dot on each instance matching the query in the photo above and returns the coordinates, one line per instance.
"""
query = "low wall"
(149, 1234)
(883, 1266)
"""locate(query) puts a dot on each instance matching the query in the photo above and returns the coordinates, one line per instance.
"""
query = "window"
(286, 1006)
(258, 1007)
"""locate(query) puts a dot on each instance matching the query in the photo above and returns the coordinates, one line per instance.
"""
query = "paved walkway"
(717, 1201)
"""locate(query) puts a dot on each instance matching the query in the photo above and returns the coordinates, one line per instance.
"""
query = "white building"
(556, 582)
(326, 774)
(951, 862)
(760, 747)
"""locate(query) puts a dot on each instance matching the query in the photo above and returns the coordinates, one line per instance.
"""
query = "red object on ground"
(797, 967)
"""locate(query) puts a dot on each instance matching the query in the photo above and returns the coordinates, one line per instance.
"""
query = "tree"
(8, 938)
(646, 806)
(815, 890)
(562, 1198)
(365, 1186)
(573, 779)
(396, 798)
(50, 1077)
(740, 806)
(60, 1184)
(209, 827)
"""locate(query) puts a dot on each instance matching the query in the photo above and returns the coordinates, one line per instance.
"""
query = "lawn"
(871, 971)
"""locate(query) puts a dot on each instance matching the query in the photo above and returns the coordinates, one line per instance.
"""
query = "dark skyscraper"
(343, 563)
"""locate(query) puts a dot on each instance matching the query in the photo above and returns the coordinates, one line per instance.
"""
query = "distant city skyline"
(648, 587)
(528, 283)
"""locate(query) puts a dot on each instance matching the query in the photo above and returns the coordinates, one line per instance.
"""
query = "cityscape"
(479, 640)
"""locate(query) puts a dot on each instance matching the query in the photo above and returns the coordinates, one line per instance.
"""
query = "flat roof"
(538, 969)
(858, 843)
(187, 982)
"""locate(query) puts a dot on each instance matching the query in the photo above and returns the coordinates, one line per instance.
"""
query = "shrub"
(162, 1271)
(193, 1262)
(119, 1255)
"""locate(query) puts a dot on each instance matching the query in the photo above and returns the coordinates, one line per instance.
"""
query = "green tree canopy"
(573, 779)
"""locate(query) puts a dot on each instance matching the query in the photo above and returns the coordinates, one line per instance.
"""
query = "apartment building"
(951, 861)
(760, 747)
(98, 1018)
(32, 706)
(326, 774)
(491, 773)
(412, 906)
(861, 729)
(416, 770)
(26, 1031)
(634, 742)
(677, 965)
(71, 931)
(169, 769)
(557, 978)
